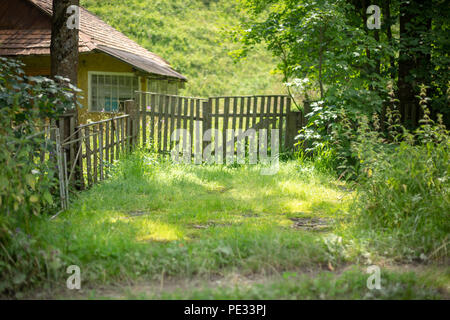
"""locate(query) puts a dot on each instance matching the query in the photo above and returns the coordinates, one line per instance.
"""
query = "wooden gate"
(160, 115)
(94, 146)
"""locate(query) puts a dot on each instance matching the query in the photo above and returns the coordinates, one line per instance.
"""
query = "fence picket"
(144, 118)
(100, 149)
(107, 141)
(166, 121)
(94, 150)
(160, 118)
(152, 118)
(233, 123)
(185, 122)
(122, 131)
(88, 155)
(191, 121)
(281, 119)
(173, 107)
(288, 134)
(226, 112)
(255, 110)
(111, 141)
(198, 134)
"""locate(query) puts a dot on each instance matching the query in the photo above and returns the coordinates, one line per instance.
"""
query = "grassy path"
(157, 230)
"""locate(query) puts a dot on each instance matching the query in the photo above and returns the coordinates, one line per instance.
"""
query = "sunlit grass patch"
(153, 217)
(149, 230)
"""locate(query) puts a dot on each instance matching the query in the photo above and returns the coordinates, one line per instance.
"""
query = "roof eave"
(105, 50)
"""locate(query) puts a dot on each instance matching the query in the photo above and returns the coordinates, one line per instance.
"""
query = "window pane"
(110, 91)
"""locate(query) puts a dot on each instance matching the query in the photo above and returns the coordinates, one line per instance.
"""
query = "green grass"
(182, 228)
(350, 284)
(192, 36)
(153, 217)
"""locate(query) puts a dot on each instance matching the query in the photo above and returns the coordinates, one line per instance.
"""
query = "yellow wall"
(40, 65)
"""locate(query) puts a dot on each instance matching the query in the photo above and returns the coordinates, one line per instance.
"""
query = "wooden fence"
(91, 148)
(159, 115)
(151, 119)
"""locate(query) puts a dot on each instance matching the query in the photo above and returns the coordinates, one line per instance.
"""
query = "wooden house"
(111, 66)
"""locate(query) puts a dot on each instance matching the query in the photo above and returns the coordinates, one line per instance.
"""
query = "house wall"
(40, 65)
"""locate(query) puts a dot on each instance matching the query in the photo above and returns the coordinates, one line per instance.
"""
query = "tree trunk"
(64, 63)
(64, 43)
(389, 23)
(413, 64)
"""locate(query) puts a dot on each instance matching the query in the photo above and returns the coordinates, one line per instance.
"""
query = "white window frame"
(106, 73)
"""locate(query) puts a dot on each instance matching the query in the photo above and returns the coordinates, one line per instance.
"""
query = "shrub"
(402, 177)
(404, 184)
(25, 104)
(26, 183)
(326, 139)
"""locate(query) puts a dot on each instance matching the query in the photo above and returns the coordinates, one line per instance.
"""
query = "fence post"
(79, 174)
(132, 110)
(207, 123)
(294, 122)
(67, 125)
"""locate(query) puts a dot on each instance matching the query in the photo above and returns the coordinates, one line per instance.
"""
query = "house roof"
(94, 35)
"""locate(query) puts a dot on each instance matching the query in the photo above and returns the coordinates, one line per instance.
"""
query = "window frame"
(107, 73)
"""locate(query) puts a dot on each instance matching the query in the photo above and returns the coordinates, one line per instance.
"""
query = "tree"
(324, 45)
(320, 46)
(64, 42)
(414, 63)
(64, 58)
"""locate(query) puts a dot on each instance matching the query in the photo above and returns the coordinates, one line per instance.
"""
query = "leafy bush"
(26, 103)
(326, 139)
(404, 185)
(26, 183)
(402, 177)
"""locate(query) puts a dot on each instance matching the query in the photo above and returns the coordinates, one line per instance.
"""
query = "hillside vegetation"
(191, 35)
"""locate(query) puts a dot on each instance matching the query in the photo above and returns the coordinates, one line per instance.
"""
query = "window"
(109, 91)
(162, 86)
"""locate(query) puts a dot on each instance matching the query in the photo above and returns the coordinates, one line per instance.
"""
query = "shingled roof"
(95, 35)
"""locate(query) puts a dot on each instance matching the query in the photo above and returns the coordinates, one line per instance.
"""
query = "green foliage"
(325, 51)
(321, 52)
(25, 103)
(26, 183)
(315, 141)
(404, 187)
(191, 35)
(424, 47)
(26, 261)
(24, 100)
(402, 177)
